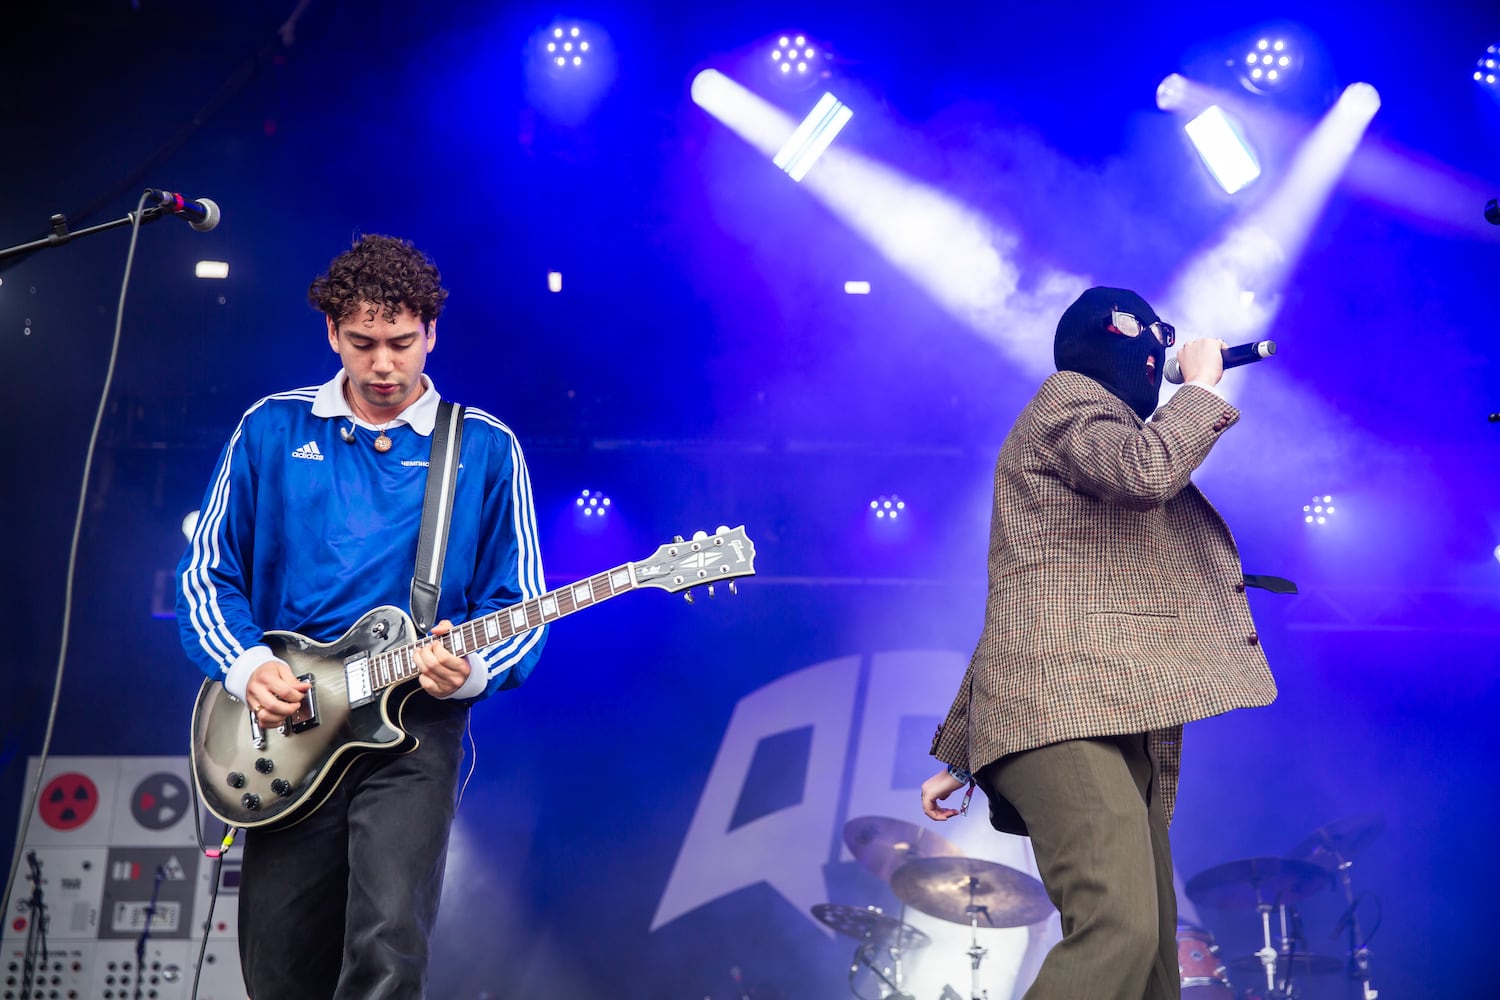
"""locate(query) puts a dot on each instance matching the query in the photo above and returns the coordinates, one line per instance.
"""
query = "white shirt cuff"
(479, 679)
(1204, 385)
(238, 674)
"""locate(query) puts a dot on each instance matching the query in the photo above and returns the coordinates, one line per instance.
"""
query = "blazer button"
(1239, 588)
(1253, 639)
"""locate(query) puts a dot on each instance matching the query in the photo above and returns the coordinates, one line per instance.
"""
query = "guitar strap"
(437, 514)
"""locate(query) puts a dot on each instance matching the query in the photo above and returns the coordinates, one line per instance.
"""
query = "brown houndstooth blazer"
(1116, 596)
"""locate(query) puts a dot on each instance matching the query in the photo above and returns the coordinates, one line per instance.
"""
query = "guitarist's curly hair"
(384, 271)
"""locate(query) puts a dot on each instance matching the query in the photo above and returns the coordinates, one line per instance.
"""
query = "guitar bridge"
(306, 716)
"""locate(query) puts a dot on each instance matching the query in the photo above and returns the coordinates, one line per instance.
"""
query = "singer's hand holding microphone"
(1204, 360)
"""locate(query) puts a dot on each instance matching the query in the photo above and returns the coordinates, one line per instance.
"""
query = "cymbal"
(882, 845)
(1340, 841)
(1251, 882)
(1302, 965)
(946, 888)
(870, 924)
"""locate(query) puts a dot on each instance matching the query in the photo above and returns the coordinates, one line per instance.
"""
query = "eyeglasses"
(1127, 325)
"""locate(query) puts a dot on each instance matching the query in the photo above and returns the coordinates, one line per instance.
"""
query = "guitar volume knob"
(235, 779)
(250, 801)
(265, 765)
(281, 787)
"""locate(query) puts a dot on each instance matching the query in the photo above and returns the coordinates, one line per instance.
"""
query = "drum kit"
(1272, 887)
(931, 875)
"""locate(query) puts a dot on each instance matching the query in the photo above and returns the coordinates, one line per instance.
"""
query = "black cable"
(67, 615)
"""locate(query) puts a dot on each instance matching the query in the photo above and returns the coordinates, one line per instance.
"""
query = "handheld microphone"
(1243, 354)
(202, 214)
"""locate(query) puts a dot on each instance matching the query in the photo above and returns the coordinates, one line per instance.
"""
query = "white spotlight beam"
(1233, 291)
(966, 263)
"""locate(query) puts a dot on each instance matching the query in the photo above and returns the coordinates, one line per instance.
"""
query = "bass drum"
(1203, 976)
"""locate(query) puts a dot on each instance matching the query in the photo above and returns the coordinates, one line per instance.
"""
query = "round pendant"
(382, 443)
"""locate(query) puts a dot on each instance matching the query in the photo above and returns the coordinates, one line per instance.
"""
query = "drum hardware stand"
(1359, 949)
(976, 953)
(890, 978)
(1269, 956)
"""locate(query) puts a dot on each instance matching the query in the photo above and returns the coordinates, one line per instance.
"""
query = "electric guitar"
(249, 776)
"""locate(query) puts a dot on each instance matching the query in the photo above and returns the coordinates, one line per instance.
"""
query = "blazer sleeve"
(1099, 447)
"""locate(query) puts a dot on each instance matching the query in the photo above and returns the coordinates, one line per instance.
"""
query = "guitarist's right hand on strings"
(274, 693)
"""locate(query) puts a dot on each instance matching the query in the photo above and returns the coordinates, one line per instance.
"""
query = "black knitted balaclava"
(1129, 367)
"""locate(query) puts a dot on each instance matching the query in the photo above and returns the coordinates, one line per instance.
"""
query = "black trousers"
(1100, 838)
(341, 905)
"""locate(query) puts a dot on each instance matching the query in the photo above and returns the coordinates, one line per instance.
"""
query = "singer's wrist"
(1211, 387)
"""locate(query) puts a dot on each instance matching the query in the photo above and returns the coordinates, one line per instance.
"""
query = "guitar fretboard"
(396, 665)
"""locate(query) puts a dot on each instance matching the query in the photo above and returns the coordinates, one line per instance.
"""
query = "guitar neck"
(397, 664)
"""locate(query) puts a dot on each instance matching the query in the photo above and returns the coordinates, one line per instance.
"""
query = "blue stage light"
(567, 47)
(796, 60)
(887, 508)
(1319, 511)
(1270, 64)
(592, 503)
(1487, 69)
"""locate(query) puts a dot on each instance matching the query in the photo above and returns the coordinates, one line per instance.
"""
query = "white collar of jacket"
(421, 416)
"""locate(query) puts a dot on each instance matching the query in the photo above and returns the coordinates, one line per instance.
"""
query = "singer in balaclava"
(1116, 613)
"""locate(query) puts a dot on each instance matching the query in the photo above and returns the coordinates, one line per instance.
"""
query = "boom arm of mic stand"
(61, 234)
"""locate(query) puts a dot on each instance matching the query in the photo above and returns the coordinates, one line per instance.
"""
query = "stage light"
(1487, 69)
(796, 60)
(856, 288)
(1497, 553)
(1270, 64)
(211, 269)
(189, 522)
(1319, 511)
(567, 47)
(1223, 149)
(554, 281)
(887, 508)
(817, 131)
(592, 503)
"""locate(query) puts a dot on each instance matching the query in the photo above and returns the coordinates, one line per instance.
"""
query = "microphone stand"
(140, 942)
(61, 235)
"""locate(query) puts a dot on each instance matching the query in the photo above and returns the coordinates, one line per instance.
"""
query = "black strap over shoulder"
(437, 514)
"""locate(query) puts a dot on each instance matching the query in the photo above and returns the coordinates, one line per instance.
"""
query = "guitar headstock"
(681, 564)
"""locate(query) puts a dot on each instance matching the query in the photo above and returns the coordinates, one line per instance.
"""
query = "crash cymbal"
(871, 924)
(1340, 841)
(1251, 882)
(882, 845)
(946, 888)
(1301, 965)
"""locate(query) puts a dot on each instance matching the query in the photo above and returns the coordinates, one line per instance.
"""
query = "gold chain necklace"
(382, 443)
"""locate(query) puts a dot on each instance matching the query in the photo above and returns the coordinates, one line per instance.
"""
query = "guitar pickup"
(357, 680)
(306, 716)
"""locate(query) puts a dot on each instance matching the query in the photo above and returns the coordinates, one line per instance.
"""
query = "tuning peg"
(710, 591)
(699, 536)
(677, 538)
(732, 588)
(687, 595)
(722, 529)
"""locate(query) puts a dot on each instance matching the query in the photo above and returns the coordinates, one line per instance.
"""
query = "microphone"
(201, 214)
(1243, 354)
